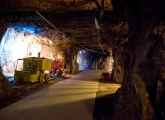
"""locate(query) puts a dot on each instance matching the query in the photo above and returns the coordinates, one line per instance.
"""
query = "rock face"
(19, 44)
(49, 5)
(6, 90)
(119, 57)
(142, 91)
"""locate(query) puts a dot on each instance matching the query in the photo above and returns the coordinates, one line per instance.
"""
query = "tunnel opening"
(89, 60)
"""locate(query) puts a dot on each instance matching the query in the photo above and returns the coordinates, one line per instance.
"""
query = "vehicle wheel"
(46, 77)
(42, 78)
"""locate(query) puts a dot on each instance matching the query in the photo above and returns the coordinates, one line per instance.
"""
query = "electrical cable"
(87, 48)
(48, 21)
(65, 34)
(99, 41)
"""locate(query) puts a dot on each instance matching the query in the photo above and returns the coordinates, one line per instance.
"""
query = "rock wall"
(4, 22)
(141, 95)
(6, 90)
(115, 64)
(50, 5)
(70, 52)
(119, 58)
(19, 44)
(109, 64)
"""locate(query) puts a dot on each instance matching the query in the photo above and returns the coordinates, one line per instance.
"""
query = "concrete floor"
(70, 99)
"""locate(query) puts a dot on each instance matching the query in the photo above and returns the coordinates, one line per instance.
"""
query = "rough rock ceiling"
(52, 5)
(81, 26)
(76, 18)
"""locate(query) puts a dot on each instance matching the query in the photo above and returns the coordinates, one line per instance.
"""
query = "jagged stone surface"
(144, 64)
(18, 44)
(6, 90)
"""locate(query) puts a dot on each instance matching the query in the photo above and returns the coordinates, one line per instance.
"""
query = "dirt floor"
(104, 102)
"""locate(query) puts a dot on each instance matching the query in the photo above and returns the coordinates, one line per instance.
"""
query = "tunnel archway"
(95, 60)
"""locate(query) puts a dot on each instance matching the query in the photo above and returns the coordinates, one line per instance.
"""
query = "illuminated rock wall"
(109, 65)
(19, 44)
(82, 61)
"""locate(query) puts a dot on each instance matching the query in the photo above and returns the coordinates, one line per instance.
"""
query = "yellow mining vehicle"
(33, 70)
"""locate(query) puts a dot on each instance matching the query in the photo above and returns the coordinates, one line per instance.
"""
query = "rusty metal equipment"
(33, 70)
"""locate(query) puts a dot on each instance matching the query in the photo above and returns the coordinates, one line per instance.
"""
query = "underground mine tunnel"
(124, 37)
